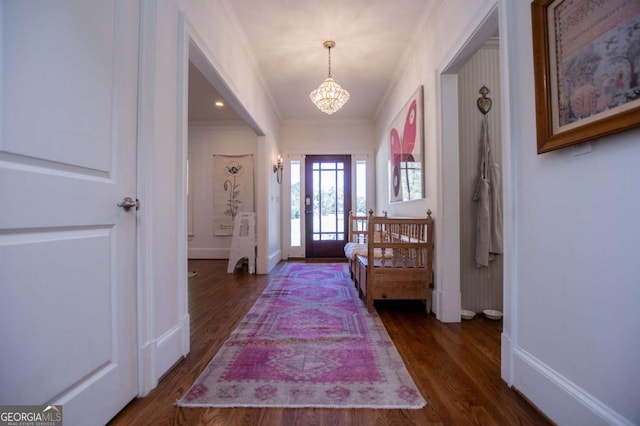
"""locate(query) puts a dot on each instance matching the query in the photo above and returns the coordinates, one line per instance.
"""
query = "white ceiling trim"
(219, 124)
(323, 123)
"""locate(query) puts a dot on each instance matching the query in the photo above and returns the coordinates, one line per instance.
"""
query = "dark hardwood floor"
(455, 366)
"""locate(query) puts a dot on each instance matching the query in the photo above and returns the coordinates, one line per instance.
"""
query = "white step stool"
(243, 244)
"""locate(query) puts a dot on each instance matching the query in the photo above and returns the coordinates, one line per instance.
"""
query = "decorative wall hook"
(484, 103)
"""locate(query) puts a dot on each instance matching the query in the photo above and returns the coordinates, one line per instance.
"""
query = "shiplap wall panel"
(481, 288)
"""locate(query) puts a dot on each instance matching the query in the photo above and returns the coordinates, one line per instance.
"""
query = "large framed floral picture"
(406, 148)
(586, 57)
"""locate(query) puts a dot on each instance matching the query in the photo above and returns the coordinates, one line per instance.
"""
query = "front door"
(327, 204)
(69, 71)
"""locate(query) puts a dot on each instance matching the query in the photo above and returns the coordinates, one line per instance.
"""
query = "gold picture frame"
(586, 70)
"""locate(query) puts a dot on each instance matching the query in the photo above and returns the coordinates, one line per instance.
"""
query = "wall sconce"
(277, 169)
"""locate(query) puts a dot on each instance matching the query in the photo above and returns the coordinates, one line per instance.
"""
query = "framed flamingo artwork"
(406, 147)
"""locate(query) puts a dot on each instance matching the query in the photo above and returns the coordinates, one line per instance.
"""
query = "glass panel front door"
(327, 204)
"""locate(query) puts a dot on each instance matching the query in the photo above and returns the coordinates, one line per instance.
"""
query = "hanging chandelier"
(329, 97)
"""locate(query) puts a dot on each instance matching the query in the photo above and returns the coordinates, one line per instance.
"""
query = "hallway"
(456, 366)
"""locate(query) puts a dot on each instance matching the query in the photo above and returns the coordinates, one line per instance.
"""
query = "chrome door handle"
(127, 203)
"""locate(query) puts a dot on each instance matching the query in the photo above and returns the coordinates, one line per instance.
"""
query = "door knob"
(127, 203)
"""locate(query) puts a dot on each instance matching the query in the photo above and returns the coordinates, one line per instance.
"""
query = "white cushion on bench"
(351, 250)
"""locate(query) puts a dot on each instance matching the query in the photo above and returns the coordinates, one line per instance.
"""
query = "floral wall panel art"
(406, 152)
(233, 190)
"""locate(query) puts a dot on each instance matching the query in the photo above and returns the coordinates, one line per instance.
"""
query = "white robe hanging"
(487, 194)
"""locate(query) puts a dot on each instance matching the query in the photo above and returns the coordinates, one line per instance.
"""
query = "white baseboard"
(169, 349)
(146, 379)
(560, 399)
(209, 253)
(446, 310)
(506, 364)
(186, 334)
(274, 259)
(161, 354)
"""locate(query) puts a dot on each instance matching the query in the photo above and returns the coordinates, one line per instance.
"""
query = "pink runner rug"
(308, 341)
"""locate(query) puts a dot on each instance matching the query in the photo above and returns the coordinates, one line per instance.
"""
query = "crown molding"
(332, 122)
(219, 125)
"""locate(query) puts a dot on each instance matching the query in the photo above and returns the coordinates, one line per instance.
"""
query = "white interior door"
(69, 72)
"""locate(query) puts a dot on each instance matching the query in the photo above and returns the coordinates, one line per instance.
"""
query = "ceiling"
(286, 37)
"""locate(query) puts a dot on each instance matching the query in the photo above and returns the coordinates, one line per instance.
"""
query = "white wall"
(416, 70)
(163, 329)
(167, 28)
(572, 336)
(576, 288)
(341, 137)
(213, 26)
(205, 141)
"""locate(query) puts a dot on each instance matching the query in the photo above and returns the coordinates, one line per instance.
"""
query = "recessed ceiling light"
(219, 104)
